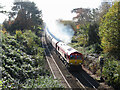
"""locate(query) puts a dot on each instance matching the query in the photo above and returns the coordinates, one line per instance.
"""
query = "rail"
(55, 64)
(53, 73)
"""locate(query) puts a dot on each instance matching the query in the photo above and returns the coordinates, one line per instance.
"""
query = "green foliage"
(0, 83)
(109, 31)
(87, 36)
(104, 8)
(19, 35)
(23, 62)
(32, 42)
(94, 48)
(82, 35)
(112, 72)
(93, 34)
(42, 82)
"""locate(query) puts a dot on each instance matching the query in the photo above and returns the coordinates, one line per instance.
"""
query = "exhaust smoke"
(61, 31)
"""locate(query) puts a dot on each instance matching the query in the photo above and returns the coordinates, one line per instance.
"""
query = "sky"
(54, 9)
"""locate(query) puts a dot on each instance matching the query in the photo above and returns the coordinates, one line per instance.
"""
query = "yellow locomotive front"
(75, 58)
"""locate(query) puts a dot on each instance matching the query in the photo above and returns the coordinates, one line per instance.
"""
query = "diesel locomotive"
(69, 55)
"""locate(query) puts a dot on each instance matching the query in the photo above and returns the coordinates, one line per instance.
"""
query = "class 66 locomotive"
(69, 55)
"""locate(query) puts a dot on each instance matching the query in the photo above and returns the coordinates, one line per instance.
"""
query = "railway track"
(57, 73)
(86, 80)
(68, 79)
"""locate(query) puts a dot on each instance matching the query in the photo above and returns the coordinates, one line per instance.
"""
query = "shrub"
(22, 64)
(109, 31)
(111, 72)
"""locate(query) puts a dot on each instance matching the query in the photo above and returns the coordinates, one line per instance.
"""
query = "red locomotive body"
(71, 56)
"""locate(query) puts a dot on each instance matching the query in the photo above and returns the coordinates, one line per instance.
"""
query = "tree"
(109, 31)
(83, 15)
(93, 34)
(88, 22)
(20, 22)
(28, 16)
(104, 8)
(30, 9)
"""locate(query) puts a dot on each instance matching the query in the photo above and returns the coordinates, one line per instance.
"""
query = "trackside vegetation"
(97, 33)
(22, 56)
(23, 62)
(109, 31)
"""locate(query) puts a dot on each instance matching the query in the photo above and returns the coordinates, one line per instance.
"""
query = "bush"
(42, 82)
(94, 48)
(109, 31)
(111, 72)
(23, 61)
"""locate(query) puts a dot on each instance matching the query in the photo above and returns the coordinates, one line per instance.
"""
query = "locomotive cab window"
(79, 57)
(72, 57)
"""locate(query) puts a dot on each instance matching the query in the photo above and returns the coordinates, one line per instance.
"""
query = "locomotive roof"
(66, 48)
(54, 40)
(52, 35)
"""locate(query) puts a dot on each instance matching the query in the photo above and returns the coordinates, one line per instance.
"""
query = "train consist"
(69, 55)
